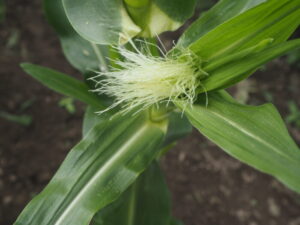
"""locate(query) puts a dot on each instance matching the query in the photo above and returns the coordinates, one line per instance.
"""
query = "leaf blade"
(221, 12)
(101, 22)
(82, 54)
(146, 202)
(272, 19)
(96, 171)
(255, 135)
(63, 84)
(178, 10)
(240, 68)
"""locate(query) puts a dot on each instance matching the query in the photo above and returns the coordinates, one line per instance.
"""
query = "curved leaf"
(100, 21)
(151, 19)
(146, 202)
(96, 171)
(177, 10)
(255, 135)
(63, 84)
(272, 19)
(230, 70)
(82, 54)
(221, 12)
(90, 119)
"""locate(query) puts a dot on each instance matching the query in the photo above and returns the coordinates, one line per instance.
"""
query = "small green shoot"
(68, 104)
(24, 120)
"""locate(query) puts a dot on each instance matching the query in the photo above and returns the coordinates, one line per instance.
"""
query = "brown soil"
(208, 186)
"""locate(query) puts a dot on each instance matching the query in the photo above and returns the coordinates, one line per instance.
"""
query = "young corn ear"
(145, 80)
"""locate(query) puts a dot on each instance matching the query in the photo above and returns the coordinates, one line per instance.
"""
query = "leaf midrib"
(249, 134)
(123, 150)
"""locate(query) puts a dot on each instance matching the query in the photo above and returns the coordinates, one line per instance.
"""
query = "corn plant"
(141, 98)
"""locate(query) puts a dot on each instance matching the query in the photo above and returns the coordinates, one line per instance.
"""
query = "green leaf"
(96, 171)
(63, 84)
(177, 10)
(273, 19)
(146, 202)
(90, 119)
(150, 18)
(221, 12)
(82, 54)
(68, 104)
(229, 70)
(101, 21)
(24, 120)
(256, 135)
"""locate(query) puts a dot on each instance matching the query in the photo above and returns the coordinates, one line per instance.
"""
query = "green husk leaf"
(229, 70)
(272, 19)
(177, 10)
(224, 10)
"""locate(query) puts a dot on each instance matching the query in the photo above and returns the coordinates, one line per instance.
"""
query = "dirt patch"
(208, 186)
(29, 156)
